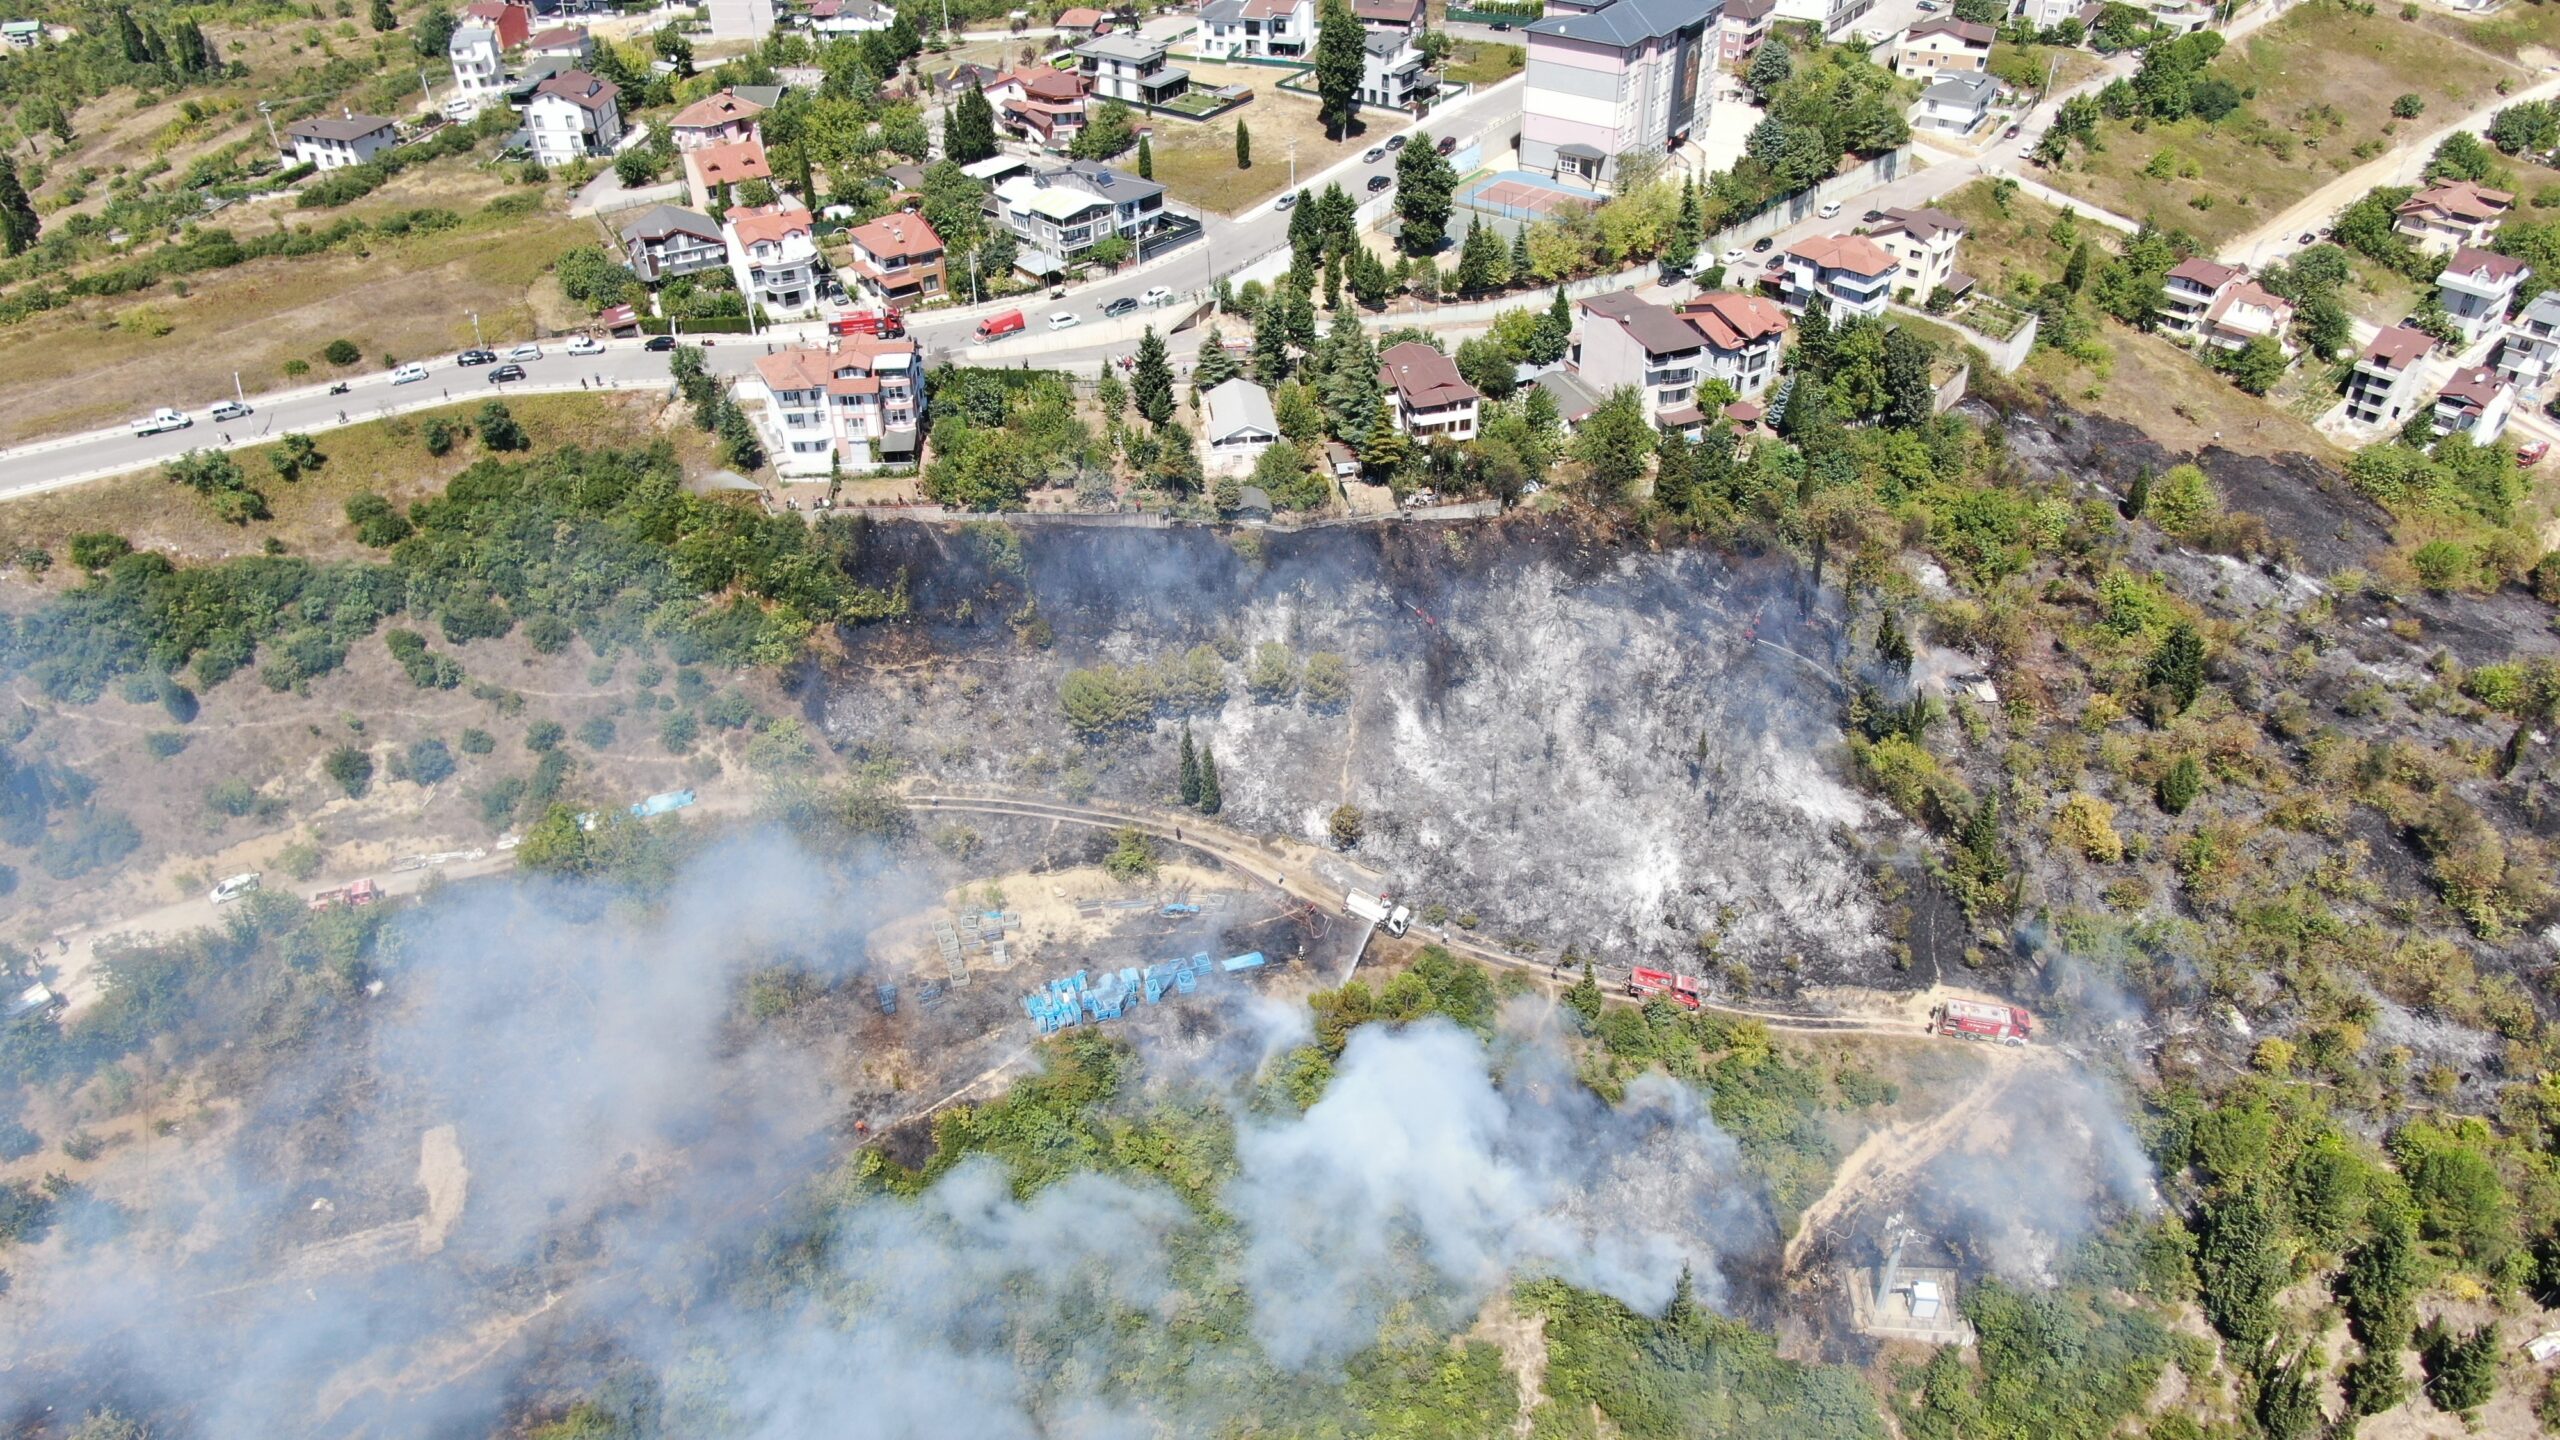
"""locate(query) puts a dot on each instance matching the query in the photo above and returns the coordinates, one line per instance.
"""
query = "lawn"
(2323, 81)
(385, 456)
(1197, 161)
(1473, 63)
(2004, 244)
(101, 360)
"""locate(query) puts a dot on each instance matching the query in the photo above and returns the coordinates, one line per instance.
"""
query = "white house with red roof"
(2193, 287)
(2477, 288)
(1942, 48)
(859, 402)
(2245, 312)
(849, 17)
(1853, 273)
(2475, 403)
(1429, 399)
(773, 254)
(900, 257)
(2444, 218)
(1744, 336)
(727, 118)
(513, 23)
(710, 171)
(1042, 104)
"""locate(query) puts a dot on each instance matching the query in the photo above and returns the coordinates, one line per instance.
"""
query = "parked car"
(1448, 143)
(231, 410)
(1828, 209)
(1285, 201)
(2011, 133)
(1380, 182)
(505, 373)
(1501, 24)
(232, 888)
(586, 345)
(161, 419)
(476, 357)
(1117, 308)
(1396, 142)
(406, 374)
(2532, 451)
(526, 351)
(1159, 295)
(1761, 245)
(1065, 320)
(2308, 237)
(1374, 154)
(660, 342)
(1736, 259)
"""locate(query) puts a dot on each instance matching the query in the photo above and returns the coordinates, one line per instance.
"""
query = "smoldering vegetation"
(640, 1185)
(1572, 739)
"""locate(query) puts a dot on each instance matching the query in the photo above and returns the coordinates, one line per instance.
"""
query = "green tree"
(1190, 777)
(1341, 56)
(2462, 1369)
(433, 34)
(2242, 1268)
(295, 456)
(2258, 365)
(1554, 334)
(351, 768)
(1109, 129)
(1584, 998)
(1772, 65)
(2178, 787)
(1910, 400)
(969, 130)
(1688, 230)
(1484, 263)
(1151, 383)
(383, 18)
(1212, 799)
(1346, 825)
(1146, 158)
(19, 226)
(1424, 185)
(498, 428)
(1244, 147)
(2177, 666)
(1612, 444)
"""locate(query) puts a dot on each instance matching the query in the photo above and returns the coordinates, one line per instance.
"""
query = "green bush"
(429, 762)
(545, 735)
(342, 353)
(596, 733)
(351, 768)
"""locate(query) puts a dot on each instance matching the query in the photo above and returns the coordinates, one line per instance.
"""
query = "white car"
(1160, 295)
(586, 345)
(526, 351)
(226, 891)
(1827, 209)
(231, 410)
(161, 419)
(1737, 258)
(409, 372)
(1065, 320)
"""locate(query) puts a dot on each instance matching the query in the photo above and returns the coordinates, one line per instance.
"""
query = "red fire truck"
(1645, 984)
(887, 324)
(1982, 1020)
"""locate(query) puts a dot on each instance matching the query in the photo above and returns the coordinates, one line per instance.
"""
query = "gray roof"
(1573, 398)
(1962, 90)
(1118, 186)
(1253, 498)
(1223, 11)
(469, 37)
(767, 96)
(1383, 43)
(1630, 22)
(1238, 404)
(1576, 150)
(1658, 328)
(333, 127)
(2545, 309)
(660, 220)
(1122, 47)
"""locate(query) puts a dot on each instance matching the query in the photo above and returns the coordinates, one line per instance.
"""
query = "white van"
(1065, 320)
(226, 891)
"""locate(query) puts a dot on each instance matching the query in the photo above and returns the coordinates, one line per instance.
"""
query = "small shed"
(618, 320)
(1253, 506)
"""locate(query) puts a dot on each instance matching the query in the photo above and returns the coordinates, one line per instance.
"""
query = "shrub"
(1327, 682)
(544, 735)
(234, 797)
(377, 523)
(429, 762)
(342, 353)
(97, 549)
(351, 768)
(596, 733)
(2087, 824)
(2177, 789)
(548, 634)
(679, 732)
(1346, 826)
(164, 744)
(476, 741)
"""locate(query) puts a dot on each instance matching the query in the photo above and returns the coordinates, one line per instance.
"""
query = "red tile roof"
(1967, 31)
(558, 37)
(2486, 263)
(891, 236)
(2460, 200)
(1079, 19)
(1854, 253)
(2473, 389)
(728, 164)
(580, 89)
(1425, 378)
(715, 110)
(770, 223)
(2398, 347)
(1731, 321)
(2209, 274)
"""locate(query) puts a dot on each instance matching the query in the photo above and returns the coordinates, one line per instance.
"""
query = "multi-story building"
(2444, 218)
(1627, 341)
(1957, 106)
(479, 71)
(1408, 16)
(773, 253)
(2248, 311)
(1430, 399)
(1620, 79)
(2475, 404)
(326, 143)
(573, 114)
(1130, 68)
(900, 257)
(665, 242)
(860, 402)
(1744, 335)
(1393, 73)
(565, 46)
(1851, 272)
(710, 171)
(2529, 353)
(1923, 242)
(1067, 212)
(1833, 16)
(2192, 288)
(1257, 29)
(1744, 25)
(1943, 47)
(832, 18)
(513, 24)
(2385, 382)
(2476, 289)
(1042, 104)
(723, 119)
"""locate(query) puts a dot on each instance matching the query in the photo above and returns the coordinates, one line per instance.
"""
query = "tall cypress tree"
(18, 223)
(1341, 56)
(136, 49)
(1151, 383)
(1190, 770)
(1146, 159)
(1211, 800)
(1244, 147)
(1520, 255)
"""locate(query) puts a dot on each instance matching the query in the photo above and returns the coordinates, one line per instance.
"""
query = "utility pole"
(476, 342)
(1293, 165)
(236, 392)
(267, 112)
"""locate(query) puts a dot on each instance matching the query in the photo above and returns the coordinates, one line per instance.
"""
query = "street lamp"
(476, 342)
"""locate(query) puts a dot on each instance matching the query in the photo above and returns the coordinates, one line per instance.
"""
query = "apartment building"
(900, 257)
(479, 72)
(1430, 399)
(1942, 48)
(1627, 341)
(2475, 404)
(2192, 288)
(1257, 29)
(2477, 288)
(1740, 31)
(1130, 68)
(335, 142)
(665, 241)
(2383, 387)
(1620, 79)
(859, 402)
(2529, 353)
(1744, 335)
(573, 114)
(2444, 218)
(1833, 16)
(773, 253)
(1067, 212)
(1852, 273)
(1923, 242)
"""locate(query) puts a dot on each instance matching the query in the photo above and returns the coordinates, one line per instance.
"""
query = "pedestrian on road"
(342, 417)
(226, 437)
(582, 382)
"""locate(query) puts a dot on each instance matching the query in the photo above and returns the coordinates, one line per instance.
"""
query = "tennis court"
(1519, 195)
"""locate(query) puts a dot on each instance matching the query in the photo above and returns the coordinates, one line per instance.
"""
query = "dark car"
(1380, 182)
(1395, 142)
(505, 373)
(2309, 237)
(2009, 134)
(476, 357)
(1447, 144)
(1121, 306)
(660, 342)
(1761, 245)
(1501, 24)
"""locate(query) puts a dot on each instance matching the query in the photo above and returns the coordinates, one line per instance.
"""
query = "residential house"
(2529, 353)
(711, 170)
(2192, 288)
(2384, 383)
(1393, 73)
(2475, 404)
(1064, 214)
(573, 114)
(2248, 311)
(1923, 242)
(2444, 218)
(24, 34)
(1618, 80)
(1744, 335)
(665, 241)
(1745, 23)
(2477, 287)
(1236, 418)
(899, 257)
(479, 71)
(1407, 16)
(1626, 340)
(333, 143)
(741, 19)
(773, 254)
(723, 119)
(966, 76)
(1083, 21)
(567, 46)
(831, 18)
(2045, 14)
(1043, 105)
(1957, 106)
(1131, 68)
(1575, 398)
(1257, 29)
(2182, 17)
(1833, 16)
(513, 24)
(860, 401)
(1941, 47)
(1430, 399)
(1852, 273)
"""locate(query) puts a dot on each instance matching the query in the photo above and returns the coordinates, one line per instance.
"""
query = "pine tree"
(1521, 270)
(1333, 282)
(1482, 264)
(1211, 801)
(2178, 665)
(1424, 185)
(969, 131)
(1341, 56)
(1688, 230)
(1151, 383)
(1813, 338)
(1270, 349)
(1244, 147)
(2138, 498)
(1146, 159)
(1215, 367)
(155, 50)
(383, 18)
(1584, 998)
(18, 223)
(1306, 235)
(130, 34)
(1555, 331)
(1190, 770)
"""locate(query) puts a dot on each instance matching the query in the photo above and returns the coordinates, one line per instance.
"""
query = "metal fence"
(1176, 232)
